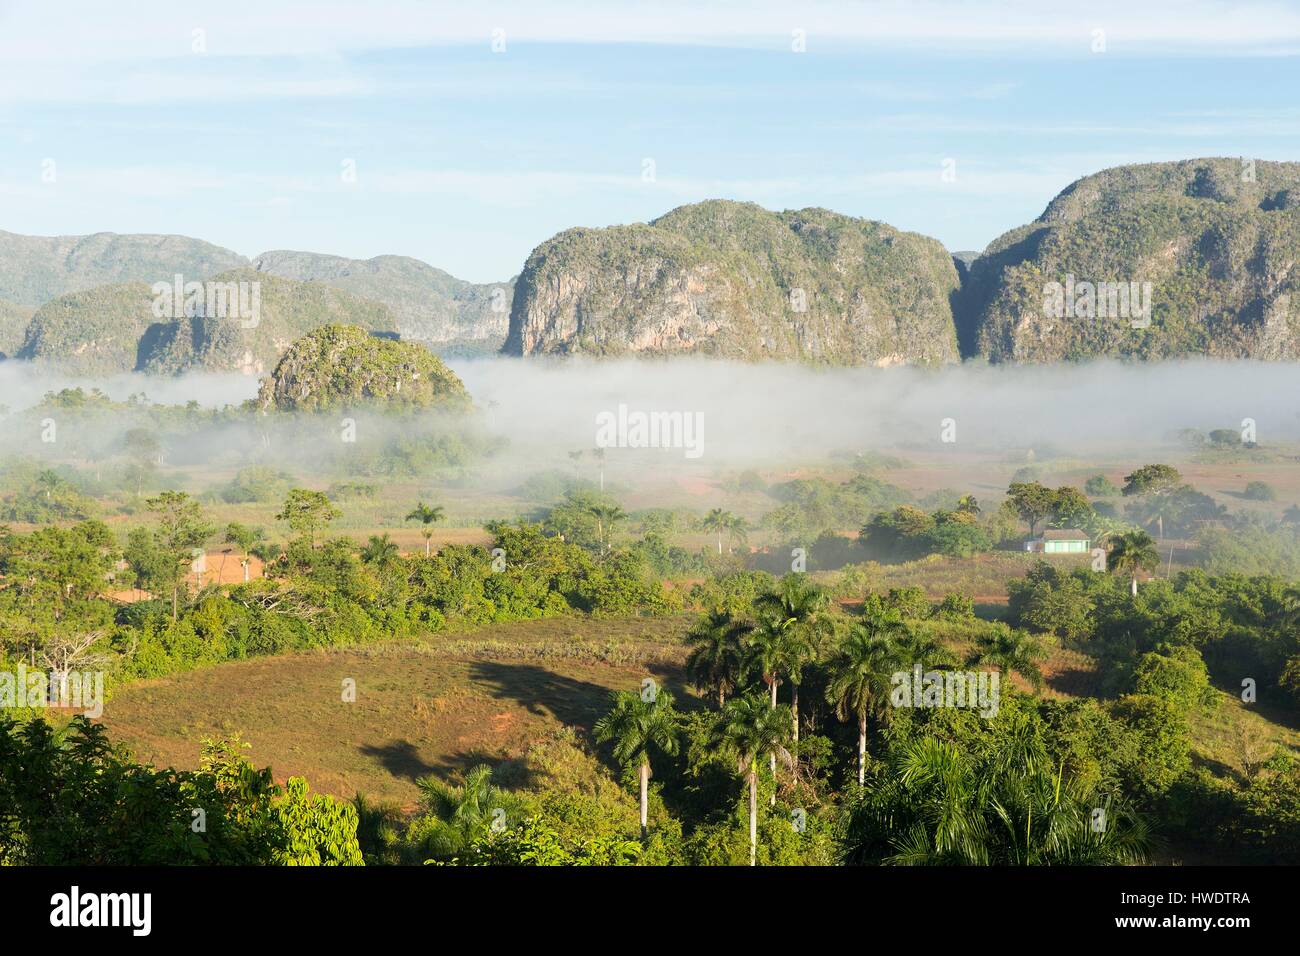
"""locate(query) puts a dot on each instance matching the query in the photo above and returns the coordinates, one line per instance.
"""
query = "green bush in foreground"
(70, 798)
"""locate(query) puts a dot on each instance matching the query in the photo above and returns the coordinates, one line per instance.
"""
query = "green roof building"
(1059, 541)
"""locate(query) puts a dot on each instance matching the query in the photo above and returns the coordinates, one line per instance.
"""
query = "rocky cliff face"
(428, 304)
(733, 280)
(13, 326)
(1212, 243)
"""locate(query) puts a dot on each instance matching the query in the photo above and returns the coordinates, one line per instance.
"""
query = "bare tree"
(64, 653)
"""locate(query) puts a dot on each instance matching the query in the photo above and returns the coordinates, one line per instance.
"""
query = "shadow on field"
(1076, 682)
(577, 703)
(540, 691)
(400, 758)
(1216, 767)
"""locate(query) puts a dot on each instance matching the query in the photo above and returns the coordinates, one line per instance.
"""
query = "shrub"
(1099, 486)
(1259, 491)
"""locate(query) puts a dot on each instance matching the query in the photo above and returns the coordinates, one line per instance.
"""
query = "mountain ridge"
(735, 280)
(1204, 251)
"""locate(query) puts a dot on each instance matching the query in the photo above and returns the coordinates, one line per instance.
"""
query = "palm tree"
(1010, 650)
(634, 725)
(379, 830)
(748, 729)
(243, 538)
(717, 654)
(1130, 552)
(575, 457)
(718, 521)
(771, 648)
(952, 825)
(767, 652)
(801, 608)
(426, 516)
(737, 530)
(861, 673)
(1017, 808)
(599, 455)
(1156, 508)
(456, 816)
(380, 550)
(49, 481)
(606, 517)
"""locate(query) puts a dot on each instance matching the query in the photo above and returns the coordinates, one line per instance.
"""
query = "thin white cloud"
(527, 187)
(90, 31)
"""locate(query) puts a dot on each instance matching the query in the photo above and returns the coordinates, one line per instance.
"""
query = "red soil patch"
(224, 568)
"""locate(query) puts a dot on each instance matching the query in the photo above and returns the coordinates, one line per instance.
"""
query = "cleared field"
(1235, 737)
(441, 704)
(433, 706)
(983, 577)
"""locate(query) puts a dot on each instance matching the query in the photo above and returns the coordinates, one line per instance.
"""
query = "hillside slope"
(13, 326)
(1217, 241)
(734, 280)
(115, 328)
(36, 269)
(345, 367)
(428, 304)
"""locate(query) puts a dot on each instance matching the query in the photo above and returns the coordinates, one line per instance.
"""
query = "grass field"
(432, 706)
(443, 703)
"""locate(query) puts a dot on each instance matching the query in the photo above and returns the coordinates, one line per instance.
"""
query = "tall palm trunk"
(1133, 588)
(862, 750)
(245, 564)
(719, 543)
(427, 539)
(753, 813)
(722, 697)
(645, 781)
(795, 690)
(772, 755)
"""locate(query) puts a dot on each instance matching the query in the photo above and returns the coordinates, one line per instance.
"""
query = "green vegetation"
(70, 798)
(341, 367)
(1099, 486)
(1259, 491)
(1206, 240)
(608, 678)
(428, 304)
(797, 718)
(116, 328)
(809, 284)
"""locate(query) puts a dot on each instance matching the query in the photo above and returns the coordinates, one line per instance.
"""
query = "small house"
(1059, 541)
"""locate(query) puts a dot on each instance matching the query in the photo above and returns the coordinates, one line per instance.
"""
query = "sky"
(465, 134)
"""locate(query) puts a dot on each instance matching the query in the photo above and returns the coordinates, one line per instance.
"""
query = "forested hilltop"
(93, 300)
(1206, 246)
(1216, 240)
(734, 280)
(117, 328)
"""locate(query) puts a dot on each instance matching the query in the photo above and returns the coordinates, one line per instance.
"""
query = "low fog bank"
(23, 384)
(542, 415)
(755, 413)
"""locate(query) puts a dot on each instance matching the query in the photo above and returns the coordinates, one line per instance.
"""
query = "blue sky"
(122, 118)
